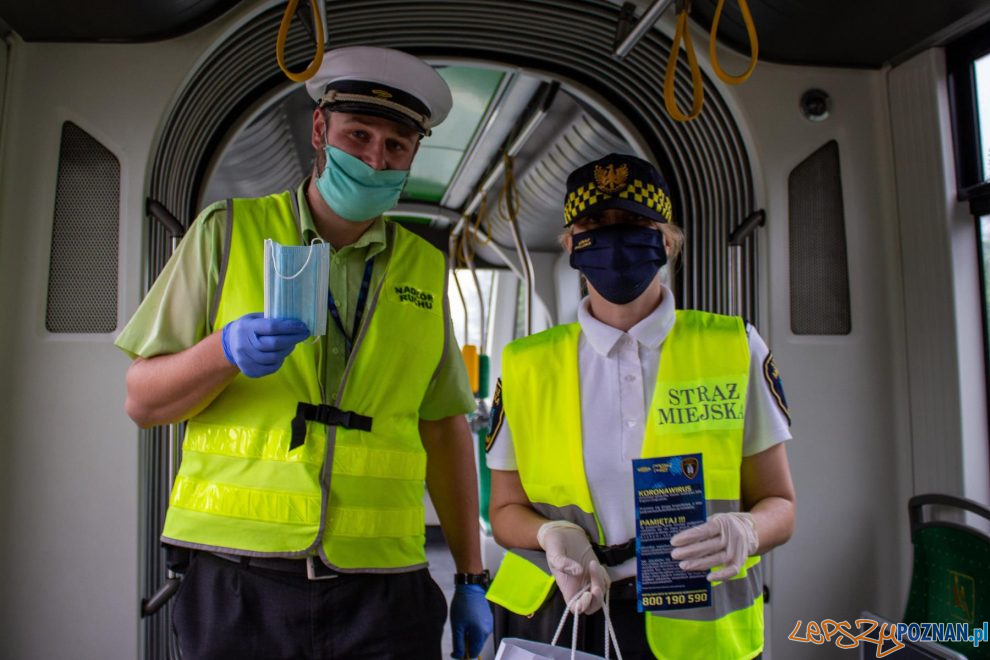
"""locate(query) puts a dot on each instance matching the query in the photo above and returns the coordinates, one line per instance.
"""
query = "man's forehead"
(395, 127)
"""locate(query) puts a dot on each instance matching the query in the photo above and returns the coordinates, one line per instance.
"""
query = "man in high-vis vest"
(299, 500)
(634, 378)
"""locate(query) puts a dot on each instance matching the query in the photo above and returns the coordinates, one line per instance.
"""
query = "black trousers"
(630, 629)
(227, 611)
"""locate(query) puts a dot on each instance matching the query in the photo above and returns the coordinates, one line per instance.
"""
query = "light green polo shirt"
(176, 312)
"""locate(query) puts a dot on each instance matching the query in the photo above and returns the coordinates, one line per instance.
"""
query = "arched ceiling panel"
(705, 160)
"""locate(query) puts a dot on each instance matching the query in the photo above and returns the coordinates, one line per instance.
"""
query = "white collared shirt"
(618, 373)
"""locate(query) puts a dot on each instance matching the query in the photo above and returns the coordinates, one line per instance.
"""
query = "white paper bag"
(513, 648)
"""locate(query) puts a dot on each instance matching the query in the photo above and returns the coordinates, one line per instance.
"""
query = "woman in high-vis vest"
(634, 378)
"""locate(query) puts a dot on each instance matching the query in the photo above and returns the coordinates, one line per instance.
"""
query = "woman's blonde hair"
(673, 237)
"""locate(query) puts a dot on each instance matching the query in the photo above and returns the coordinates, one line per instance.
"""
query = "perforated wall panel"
(818, 266)
(82, 273)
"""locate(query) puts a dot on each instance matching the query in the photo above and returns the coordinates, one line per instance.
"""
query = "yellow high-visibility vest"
(698, 406)
(354, 497)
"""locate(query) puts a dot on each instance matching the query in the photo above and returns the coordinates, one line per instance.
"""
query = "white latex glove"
(574, 565)
(727, 539)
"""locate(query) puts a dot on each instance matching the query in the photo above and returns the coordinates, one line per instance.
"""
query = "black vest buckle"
(326, 415)
(613, 555)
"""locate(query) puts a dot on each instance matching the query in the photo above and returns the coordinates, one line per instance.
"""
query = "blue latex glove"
(470, 620)
(258, 346)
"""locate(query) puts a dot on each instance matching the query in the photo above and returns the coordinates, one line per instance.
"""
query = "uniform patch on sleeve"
(498, 416)
(776, 387)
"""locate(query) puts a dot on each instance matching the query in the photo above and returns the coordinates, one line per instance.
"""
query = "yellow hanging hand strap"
(283, 33)
(508, 202)
(481, 217)
(754, 44)
(670, 101)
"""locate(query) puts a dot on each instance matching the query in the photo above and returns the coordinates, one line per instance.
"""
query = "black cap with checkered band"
(617, 181)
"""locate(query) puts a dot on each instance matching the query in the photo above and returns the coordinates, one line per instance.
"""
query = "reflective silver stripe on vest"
(721, 506)
(331, 432)
(228, 238)
(727, 597)
(570, 513)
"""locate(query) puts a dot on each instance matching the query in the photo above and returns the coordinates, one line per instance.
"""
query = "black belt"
(324, 414)
(624, 589)
(309, 567)
(613, 555)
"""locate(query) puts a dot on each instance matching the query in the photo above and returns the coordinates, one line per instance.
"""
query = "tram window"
(467, 329)
(985, 270)
(981, 69)
(968, 68)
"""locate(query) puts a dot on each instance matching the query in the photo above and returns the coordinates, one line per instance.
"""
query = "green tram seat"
(950, 581)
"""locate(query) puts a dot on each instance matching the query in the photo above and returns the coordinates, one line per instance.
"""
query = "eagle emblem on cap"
(611, 179)
(381, 93)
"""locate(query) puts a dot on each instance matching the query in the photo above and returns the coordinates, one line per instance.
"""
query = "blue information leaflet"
(670, 497)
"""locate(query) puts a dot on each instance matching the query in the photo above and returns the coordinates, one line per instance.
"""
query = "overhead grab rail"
(650, 17)
(509, 205)
(462, 256)
(468, 253)
(320, 24)
(481, 217)
(454, 258)
(545, 99)
(511, 265)
(627, 39)
(470, 227)
(479, 382)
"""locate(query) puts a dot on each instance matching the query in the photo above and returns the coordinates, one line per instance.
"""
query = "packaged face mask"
(296, 283)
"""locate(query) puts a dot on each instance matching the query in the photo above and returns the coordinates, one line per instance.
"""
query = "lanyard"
(358, 312)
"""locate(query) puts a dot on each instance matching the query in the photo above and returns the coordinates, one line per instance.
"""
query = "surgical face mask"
(355, 190)
(619, 260)
(296, 283)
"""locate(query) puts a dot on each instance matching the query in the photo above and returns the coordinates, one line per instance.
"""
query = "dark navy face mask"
(619, 260)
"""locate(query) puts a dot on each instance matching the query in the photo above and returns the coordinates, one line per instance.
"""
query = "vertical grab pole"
(737, 239)
(154, 603)
(735, 280)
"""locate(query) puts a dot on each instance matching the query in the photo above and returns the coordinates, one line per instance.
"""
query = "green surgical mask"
(356, 191)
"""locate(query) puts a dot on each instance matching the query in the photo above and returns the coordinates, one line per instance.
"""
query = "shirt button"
(630, 423)
(630, 378)
(335, 350)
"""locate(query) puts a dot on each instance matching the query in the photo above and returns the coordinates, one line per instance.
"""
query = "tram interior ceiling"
(808, 32)
(804, 32)
(566, 132)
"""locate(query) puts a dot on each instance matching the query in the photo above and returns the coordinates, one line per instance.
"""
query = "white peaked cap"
(383, 82)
